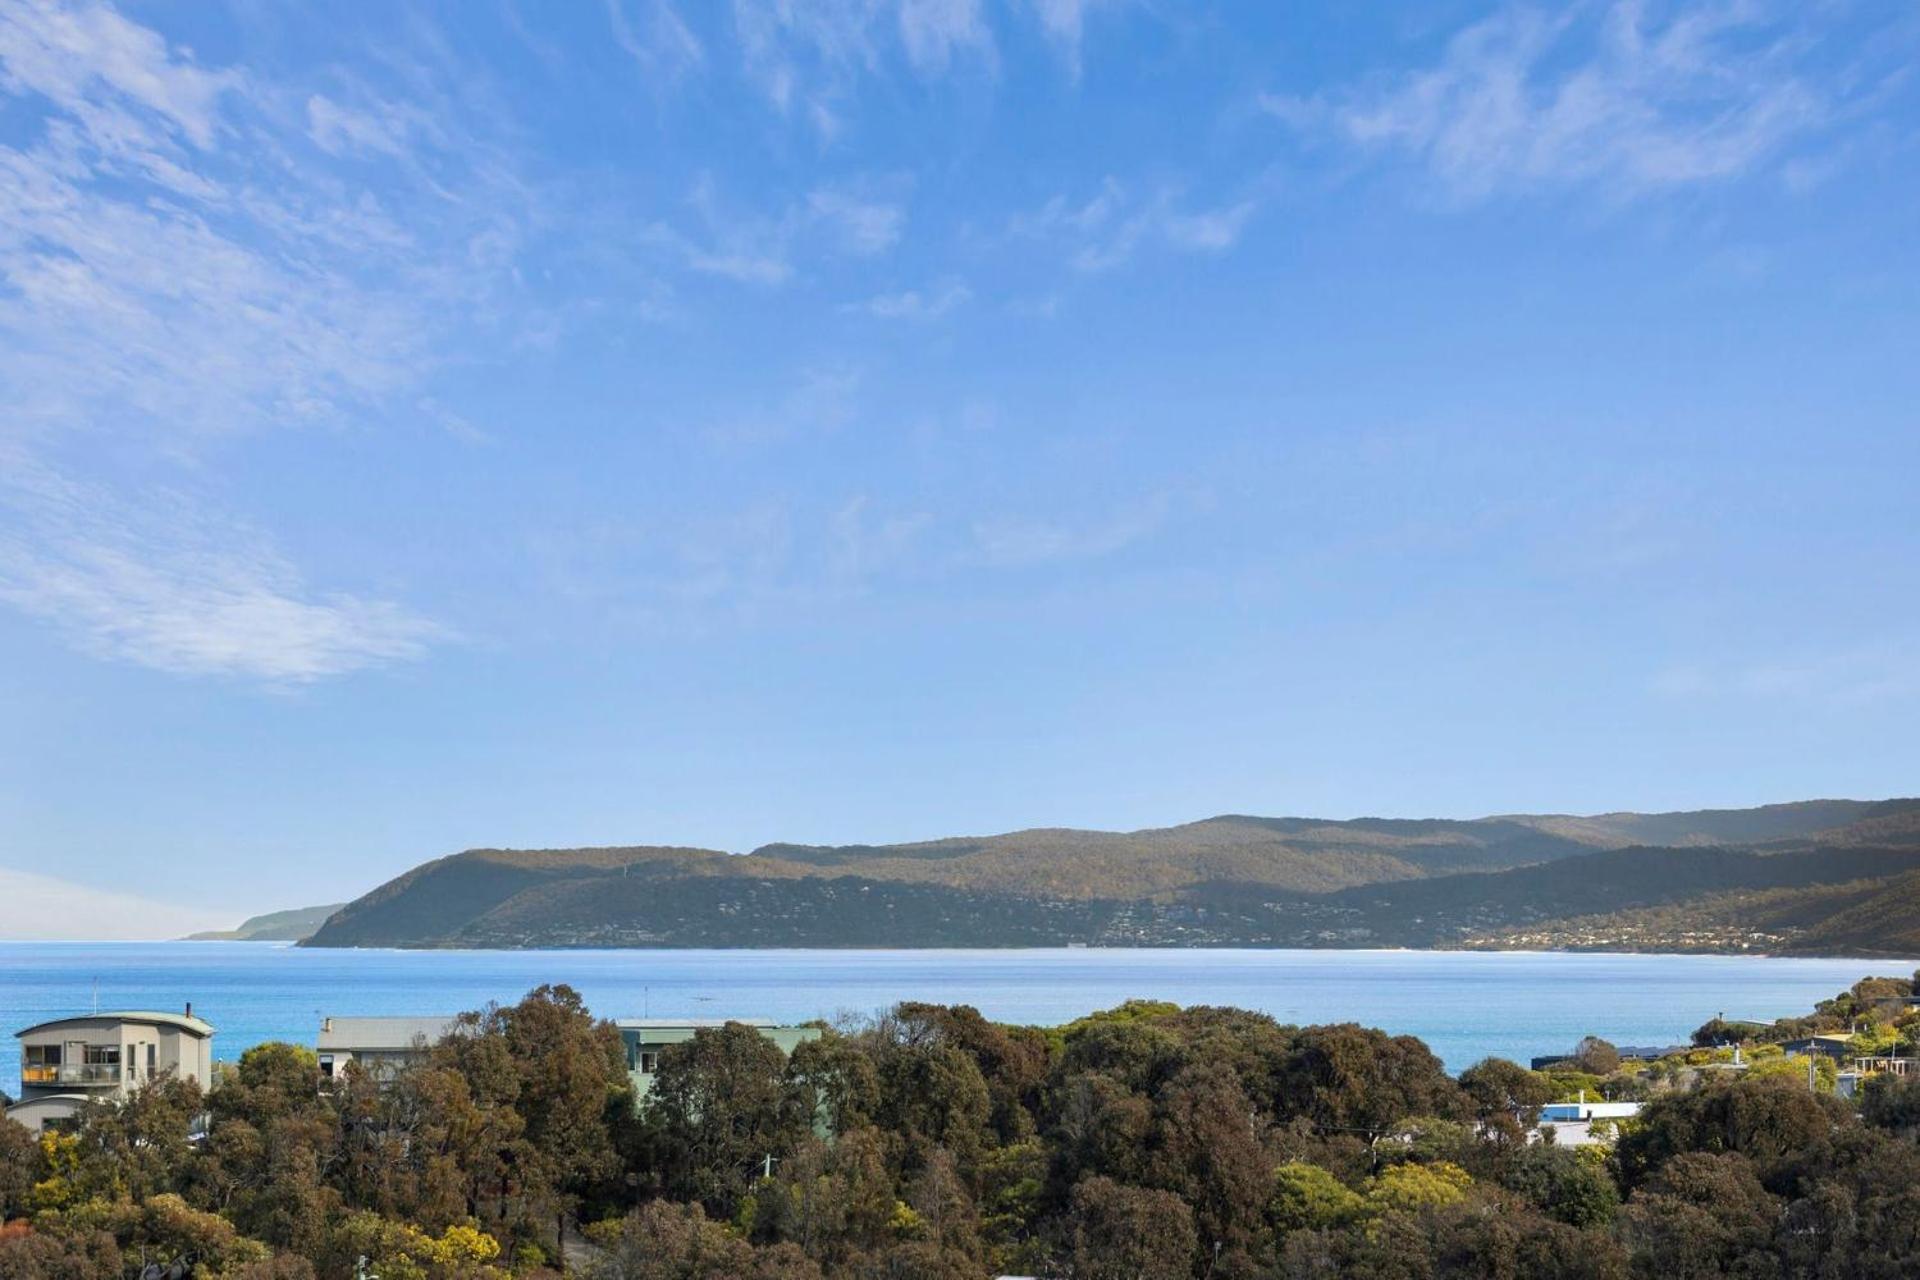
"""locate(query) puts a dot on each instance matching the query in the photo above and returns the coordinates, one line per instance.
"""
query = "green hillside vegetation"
(277, 926)
(1868, 916)
(1232, 880)
(1761, 825)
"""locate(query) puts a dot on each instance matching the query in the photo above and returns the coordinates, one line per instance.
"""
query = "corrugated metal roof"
(350, 1034)
(180, 1021)
(669, 1024)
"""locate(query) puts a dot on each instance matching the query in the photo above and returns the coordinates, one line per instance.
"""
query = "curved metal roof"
(179, 1021)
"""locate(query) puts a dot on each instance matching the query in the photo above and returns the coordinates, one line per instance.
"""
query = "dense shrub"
(1144, 1143)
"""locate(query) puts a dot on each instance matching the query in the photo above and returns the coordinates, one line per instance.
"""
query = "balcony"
(85, 1075)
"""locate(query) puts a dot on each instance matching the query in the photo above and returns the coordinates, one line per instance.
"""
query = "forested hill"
(1829, 872)
(276, 926)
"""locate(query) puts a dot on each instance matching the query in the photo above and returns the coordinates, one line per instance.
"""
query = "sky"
(657, 422)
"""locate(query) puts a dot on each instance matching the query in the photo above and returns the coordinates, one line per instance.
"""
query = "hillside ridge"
(1231, 879)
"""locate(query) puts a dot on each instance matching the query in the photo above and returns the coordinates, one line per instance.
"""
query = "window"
(326, 1066)
(151, 1057)
(43, 1055)
(649, 1062)
(103, 1055)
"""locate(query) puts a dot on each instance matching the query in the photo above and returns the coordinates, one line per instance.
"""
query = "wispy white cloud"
(806, 56)
(764, 561)
(87, 58)
(1019, 541)
(178, 264)
(809, 58)
(864, 543)
(1066, 22)
(660, 41)
(823, 400)
(342, 130)
(742, 264)
(936, 31)
(747, 249)
(1628, 102)
(863, 225)
(803, 54)
(156, 581)
(918, 304)
(1107, 229)
(772, 560)
(756, 248)
(1210, 230)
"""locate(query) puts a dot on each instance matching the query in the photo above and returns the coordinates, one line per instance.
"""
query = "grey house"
(1825, 1046)
(69, 1062)
(382, 1046)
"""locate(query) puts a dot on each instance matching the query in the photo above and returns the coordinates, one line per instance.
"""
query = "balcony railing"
(91, 1073)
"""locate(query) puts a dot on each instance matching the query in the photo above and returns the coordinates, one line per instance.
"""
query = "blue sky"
(640, 422)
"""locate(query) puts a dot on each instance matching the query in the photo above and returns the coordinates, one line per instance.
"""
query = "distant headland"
(1809, 878)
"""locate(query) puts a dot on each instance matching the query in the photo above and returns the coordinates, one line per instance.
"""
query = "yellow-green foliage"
(163, 1227)
(1875, 1038)
(464, 1244)
(1129, 1012)
(401, 1251)
(1568, 1085)
(1308, 1198)
(905, 1223)
(60, 1156)
(1597, 1154)
(1602, 1134)
(1826, 1073)
(1412, 1187)
(262, 1054)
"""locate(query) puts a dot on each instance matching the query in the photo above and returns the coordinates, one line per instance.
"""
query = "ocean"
(1465, 1005)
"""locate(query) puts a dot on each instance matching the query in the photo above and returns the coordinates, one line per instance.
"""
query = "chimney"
(326, 1024)
(189, 1008)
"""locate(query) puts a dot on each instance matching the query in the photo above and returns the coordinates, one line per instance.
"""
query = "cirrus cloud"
(1613, 97)
(180, 263)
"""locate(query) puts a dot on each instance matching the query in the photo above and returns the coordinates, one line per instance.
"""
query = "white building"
(1572, 1124)
(69, 1062)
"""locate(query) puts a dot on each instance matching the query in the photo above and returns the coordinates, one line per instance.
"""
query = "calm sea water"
(1466, 1005)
